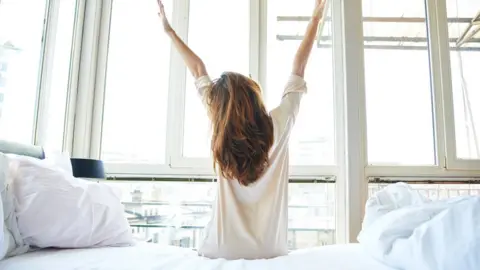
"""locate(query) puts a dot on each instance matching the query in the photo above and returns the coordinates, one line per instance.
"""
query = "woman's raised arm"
(193, 62)
(303, 52)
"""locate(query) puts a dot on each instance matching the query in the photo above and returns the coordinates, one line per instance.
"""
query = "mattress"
(145, 256)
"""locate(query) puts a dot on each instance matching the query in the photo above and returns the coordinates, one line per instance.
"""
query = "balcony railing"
(396, 41)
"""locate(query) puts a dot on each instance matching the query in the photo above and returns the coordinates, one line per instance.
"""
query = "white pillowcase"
(11, 242)
(55, 209)
(59, 159)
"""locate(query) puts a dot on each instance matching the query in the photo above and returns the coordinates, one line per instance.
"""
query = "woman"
(250, 151)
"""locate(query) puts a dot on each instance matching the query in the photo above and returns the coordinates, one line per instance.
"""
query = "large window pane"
(313, 138)
(21, 30)
(397, 79)
(59, 76)
(135, 116)
(465, 81)
(223, 42)
(176, 213)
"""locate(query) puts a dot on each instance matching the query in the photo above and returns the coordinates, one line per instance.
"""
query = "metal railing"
(191, 236)
(396, 41)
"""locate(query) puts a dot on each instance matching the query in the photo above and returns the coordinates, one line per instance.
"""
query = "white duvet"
(405, 230)
(146, 256)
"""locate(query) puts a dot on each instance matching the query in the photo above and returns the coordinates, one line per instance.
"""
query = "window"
(176, 213)
(223, 43)
(310, 144)
(141, 60)
(464, 59)
(58, 84)
(137, 83)
(21, 33)
(136, 130)
(406, 134)
(397, 80)
(436, 191)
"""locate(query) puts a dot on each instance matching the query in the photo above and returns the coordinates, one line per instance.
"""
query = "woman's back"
(250, 222)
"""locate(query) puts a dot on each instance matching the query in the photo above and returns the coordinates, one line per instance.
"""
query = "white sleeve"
(286, 113)
(202, 84)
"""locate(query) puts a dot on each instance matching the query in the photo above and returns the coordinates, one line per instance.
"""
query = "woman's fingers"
(160, 6)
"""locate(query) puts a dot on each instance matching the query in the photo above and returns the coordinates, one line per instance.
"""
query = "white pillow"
(3, 239)
(11, 242)
(60, 159)
(55, 209)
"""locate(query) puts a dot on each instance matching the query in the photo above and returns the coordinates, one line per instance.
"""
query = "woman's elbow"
(199, 71)
(298, 70)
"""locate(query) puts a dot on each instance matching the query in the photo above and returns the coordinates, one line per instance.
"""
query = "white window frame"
(447, 165)
(45, 73)
(43, 96)
(352, 169)
(176, 105)
(88, 79)
(258, 24)
(451, 159)
(357, 171)
(73, 81)
(177, 164)
(84, 133)
(89, 125)
(43, 91)
(177, 102)
(352, 192)
(344, 198)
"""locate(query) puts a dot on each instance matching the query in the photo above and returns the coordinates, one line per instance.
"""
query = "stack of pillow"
(43, 205)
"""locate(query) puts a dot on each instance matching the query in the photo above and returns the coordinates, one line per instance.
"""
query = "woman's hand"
(161, 13)
(318, 10)
(193, 62)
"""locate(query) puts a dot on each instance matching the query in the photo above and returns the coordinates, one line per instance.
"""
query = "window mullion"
(86, 81)
(177, 86)
(341, 225)
(444, 78)
(439, 70)
(451, 160)
(262, 44)
(255, 30)
(355, 117)
(74, 76)
(51, 21)
(100, 79)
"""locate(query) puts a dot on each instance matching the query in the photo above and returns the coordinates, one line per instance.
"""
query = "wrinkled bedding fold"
(11, 242)
(405, 230)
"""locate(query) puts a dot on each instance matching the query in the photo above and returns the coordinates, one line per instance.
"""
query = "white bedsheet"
(154, 257)
(406, 230)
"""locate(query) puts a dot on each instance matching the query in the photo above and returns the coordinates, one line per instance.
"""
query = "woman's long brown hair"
(242, 128)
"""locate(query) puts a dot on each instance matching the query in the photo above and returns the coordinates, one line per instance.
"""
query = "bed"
(155, 256)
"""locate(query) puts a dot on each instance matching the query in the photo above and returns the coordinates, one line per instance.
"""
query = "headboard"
(8, 147)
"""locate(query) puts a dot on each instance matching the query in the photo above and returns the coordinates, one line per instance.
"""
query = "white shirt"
(251, 222)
